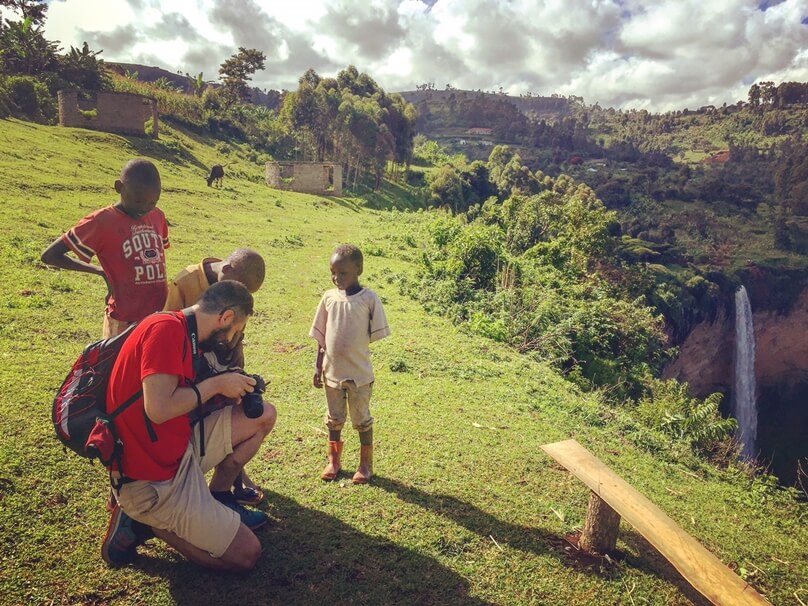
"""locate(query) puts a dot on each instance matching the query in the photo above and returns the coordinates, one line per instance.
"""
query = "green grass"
(464, 507)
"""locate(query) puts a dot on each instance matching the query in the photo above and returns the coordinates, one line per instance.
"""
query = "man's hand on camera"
(233, 384)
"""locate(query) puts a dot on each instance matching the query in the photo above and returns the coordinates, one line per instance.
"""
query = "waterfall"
(745, 394)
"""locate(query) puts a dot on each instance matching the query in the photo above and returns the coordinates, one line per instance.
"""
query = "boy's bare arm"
(55, 255)
(318, 368)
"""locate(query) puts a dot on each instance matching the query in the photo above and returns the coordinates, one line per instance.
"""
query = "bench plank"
(704, 571)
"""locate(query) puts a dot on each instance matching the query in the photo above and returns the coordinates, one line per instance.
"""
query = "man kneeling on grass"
(161, 478)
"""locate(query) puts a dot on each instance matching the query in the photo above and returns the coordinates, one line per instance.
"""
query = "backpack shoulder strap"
(135, 397)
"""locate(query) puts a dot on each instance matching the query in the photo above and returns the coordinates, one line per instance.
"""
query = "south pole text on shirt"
(142, 241)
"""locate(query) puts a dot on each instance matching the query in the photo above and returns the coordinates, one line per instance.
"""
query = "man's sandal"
(249, 496)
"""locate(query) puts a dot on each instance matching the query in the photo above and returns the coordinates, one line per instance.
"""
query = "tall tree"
(33, 9)
(236, 71)
(305, 110)
(768, 93)
(754, 95)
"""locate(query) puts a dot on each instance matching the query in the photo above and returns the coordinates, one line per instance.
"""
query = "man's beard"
(219, 335)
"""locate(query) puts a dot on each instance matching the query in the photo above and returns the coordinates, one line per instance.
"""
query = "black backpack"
(80, 407)
(79, 412)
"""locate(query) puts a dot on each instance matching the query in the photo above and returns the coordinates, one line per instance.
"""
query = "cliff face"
(781, 350)
(783, 345)
(780, 316)
(706, 362)
(706, 357)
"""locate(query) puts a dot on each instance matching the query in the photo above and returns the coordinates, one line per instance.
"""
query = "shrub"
(30, 98)
(669, 407)
(399, 365)
(428, 152)
(446, 188)
(443, 230)
(492, 328)
(475, 254)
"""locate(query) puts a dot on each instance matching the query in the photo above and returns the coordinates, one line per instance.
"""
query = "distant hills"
(534, 106)
(530, 105)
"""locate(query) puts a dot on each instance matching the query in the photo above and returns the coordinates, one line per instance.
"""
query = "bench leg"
(600, 528)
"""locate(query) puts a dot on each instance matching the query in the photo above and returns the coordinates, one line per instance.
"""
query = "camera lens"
(253, 405)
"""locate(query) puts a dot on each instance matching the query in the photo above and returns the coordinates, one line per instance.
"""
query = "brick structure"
(123, 113)
(307, 177)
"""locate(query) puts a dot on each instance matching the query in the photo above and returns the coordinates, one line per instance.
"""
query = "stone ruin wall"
(122, 113)
(323, 178)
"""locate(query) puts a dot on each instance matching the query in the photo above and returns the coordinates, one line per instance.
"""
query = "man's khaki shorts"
(184, 505)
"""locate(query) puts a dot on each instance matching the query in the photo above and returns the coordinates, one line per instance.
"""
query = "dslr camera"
(253, 402)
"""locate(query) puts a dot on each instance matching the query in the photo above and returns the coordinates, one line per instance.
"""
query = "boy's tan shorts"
(184, 505)
(349, 398)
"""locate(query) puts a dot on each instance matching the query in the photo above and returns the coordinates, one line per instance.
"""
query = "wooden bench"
(612, 497)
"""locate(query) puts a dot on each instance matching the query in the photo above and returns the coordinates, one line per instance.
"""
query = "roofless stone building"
(112, 112)
(323, 178)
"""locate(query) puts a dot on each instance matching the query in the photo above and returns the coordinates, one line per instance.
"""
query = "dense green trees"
(540, 263)
(24, 49)
(535, 267)
(350, 119)
(763, 95)
(83, 69)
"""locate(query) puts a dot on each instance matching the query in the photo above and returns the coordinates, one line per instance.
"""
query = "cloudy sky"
(657, 54)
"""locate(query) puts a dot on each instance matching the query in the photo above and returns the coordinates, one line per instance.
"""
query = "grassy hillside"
(464, 507)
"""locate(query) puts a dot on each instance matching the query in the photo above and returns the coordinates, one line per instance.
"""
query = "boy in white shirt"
(348, 319)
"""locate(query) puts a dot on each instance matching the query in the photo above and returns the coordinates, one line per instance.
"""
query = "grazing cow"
(216, 175)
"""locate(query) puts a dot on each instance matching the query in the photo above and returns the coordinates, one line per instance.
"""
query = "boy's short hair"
(227, 294)
(350, 251)
(140, 171)
(249, 266)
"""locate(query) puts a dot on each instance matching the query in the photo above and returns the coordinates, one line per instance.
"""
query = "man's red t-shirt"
(131, 252)
(159, 345)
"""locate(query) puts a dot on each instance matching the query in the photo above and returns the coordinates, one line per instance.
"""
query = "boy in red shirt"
(129, 238)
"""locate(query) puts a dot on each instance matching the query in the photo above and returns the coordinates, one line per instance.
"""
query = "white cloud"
(66, 19)
(658, 54)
